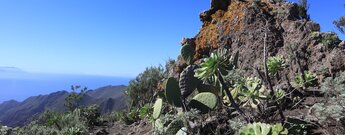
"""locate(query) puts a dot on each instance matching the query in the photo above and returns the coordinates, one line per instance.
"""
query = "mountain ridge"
(13, 113)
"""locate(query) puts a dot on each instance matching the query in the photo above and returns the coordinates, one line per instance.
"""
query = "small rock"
(312, 26)
(220, 4)
(101, 132)
(188, 41)
(205, 16)
(342, 44)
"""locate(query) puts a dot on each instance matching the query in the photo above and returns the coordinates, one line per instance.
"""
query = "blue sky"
(107, 37)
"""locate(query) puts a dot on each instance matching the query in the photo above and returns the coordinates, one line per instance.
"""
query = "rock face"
(241, 26)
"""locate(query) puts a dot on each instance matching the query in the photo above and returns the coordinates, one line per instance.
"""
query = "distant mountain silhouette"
(13, 113)
(11, 69)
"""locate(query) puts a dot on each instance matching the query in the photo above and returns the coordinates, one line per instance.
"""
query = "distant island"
(10, 69)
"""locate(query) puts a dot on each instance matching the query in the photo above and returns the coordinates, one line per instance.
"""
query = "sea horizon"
(22, 85)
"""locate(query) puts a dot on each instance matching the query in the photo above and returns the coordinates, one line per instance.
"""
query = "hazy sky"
(107, 37)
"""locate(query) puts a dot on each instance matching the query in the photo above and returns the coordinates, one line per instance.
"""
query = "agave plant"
(274, 64)
(309, 79)
(219, 61)
(213, 69)
(251, 92)
(279, 93)
(263, 129)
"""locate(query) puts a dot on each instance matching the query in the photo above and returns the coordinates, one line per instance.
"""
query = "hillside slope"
(13, 113)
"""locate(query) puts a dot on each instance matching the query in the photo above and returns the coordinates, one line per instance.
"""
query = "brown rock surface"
(242, 25)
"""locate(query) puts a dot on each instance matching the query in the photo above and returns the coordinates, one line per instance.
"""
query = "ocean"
(19, 86)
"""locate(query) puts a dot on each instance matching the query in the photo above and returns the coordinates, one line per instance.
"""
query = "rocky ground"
(143, 127)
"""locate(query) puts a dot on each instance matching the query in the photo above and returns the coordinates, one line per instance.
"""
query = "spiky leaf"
(219, 60)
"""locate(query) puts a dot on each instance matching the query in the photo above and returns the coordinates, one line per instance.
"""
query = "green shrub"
(309, 79)
(55, 123)
(74, 131)
(4, 130)
(315, 35)
(91, 115)
(328, 111)
(114, 116)
(145, 112)
(236, 123)
(330, 39)
(72, 100)
(141, 90)
(334, 87)
(334, 107)
(303, 7)
(340, 24)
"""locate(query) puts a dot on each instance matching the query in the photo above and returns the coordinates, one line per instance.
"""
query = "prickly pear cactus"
(174, 127)
(204, 102)
(187, 53)
(207, 88)
(157, 108)
(158, 127)
(173, 92)
(182, 131)
(255, 129)
(188, 82)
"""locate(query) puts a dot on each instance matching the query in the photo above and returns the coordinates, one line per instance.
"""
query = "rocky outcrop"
(241, 26)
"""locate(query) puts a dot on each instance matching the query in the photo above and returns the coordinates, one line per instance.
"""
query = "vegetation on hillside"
(217, 94)
(340, 24)
(77, 120)
(142, 89)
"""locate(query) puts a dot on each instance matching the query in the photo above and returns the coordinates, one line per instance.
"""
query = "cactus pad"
(174, 127)
(188, 82)
(204, 102)
(159, 126)
(173, 92)
(187, 53)
(157, 108)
